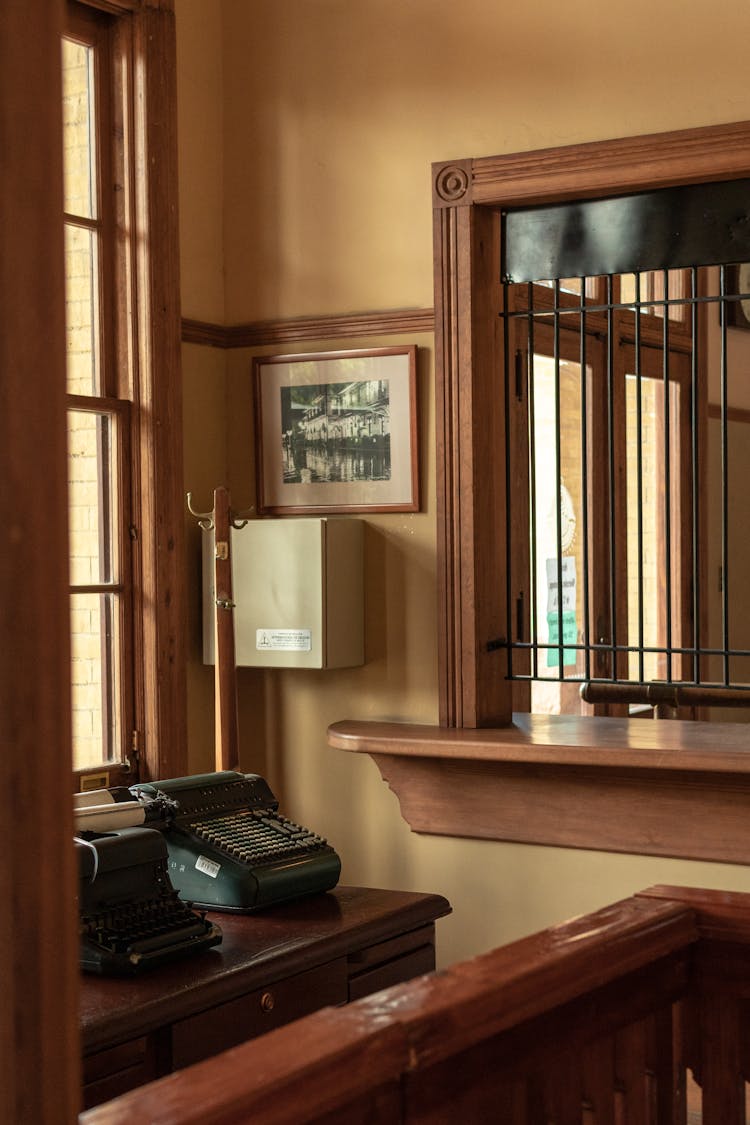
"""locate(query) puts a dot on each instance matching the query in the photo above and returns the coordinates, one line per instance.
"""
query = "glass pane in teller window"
(558, 509)
(81, 311)
(649, 289)
(78, 118)
(567, 284)
(646, 542)
(90, 497)
(94, 667)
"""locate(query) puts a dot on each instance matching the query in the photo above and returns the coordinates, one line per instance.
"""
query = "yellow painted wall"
(201, 158)
(330, 113)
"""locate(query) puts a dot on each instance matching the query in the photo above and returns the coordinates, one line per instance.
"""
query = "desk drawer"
(391, 962)
(400, 969)
(217, 1029)
(114, 1071)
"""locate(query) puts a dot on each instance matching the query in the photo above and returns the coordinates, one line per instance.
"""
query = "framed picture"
(337, 431)
(738, 281)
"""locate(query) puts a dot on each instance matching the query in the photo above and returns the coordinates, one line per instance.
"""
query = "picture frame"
(336, 432)
(738, 281)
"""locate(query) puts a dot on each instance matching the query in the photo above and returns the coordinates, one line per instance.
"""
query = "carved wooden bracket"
(570, 782)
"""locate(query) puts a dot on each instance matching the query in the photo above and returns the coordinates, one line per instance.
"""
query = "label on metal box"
(283, 640)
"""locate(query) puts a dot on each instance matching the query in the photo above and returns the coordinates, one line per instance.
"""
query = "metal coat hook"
(237, 518)
(205, 519)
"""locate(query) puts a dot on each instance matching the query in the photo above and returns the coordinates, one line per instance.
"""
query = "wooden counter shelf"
(666, 787)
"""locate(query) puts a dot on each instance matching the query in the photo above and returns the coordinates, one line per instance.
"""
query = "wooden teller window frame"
(486, 317)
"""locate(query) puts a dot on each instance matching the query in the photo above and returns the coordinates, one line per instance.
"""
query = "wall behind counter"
(307, 131)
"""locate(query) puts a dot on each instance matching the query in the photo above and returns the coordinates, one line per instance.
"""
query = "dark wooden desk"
(270, 968)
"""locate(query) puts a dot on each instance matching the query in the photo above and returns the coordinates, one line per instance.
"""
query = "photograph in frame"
(336, 431)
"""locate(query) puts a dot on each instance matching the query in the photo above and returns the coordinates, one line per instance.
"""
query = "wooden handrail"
(662, 694)
(719, 915)
(388, 1052)
(502, 989)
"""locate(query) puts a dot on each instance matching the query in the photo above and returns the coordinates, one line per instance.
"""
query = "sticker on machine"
(207, 866)
(283, 640)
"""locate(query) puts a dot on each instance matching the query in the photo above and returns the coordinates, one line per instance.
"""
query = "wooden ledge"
(562, 740)
(665, 787)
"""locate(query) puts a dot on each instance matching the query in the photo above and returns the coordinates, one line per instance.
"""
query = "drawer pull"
(267, 1002)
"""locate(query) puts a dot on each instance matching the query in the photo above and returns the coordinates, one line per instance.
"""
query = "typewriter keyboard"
(257, 836)
(144, 925)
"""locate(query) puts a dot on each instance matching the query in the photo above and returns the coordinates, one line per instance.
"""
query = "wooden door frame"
(39, 1057)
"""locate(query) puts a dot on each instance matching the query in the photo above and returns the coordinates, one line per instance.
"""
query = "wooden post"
(39, 1051)
(225, 672)
(720, 1025)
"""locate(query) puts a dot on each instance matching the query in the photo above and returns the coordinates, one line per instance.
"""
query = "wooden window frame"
(146, 349)
(111, 396)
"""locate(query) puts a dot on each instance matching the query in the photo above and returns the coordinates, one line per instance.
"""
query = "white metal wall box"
(298, 589)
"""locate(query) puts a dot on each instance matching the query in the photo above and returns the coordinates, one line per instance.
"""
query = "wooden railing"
(597, 1021)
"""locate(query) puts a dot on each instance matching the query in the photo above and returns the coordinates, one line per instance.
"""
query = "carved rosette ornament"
(452, 183)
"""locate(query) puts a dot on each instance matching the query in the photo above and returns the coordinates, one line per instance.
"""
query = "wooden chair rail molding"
(668, 788)
(290, 330)
(595, 1020)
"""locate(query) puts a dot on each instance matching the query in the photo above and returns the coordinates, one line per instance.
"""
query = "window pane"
(90, 499)
(649, 290)
(567, 284)
(81, 311)
(94, 673)
(557, 517)
(78, 117)
(646, 528)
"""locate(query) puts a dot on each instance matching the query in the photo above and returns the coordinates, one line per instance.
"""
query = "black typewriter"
(130, 915)
(231, 849)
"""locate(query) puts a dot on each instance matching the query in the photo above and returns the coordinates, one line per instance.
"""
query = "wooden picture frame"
(738, 281)
(337, 431)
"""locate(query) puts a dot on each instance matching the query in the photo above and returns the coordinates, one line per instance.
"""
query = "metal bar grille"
(639, 475)
(631, 603)
(584, 488)
(696, 463)
(667, 478)
(724, 479)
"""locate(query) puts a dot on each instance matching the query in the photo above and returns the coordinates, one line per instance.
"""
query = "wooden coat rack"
(221, 520)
